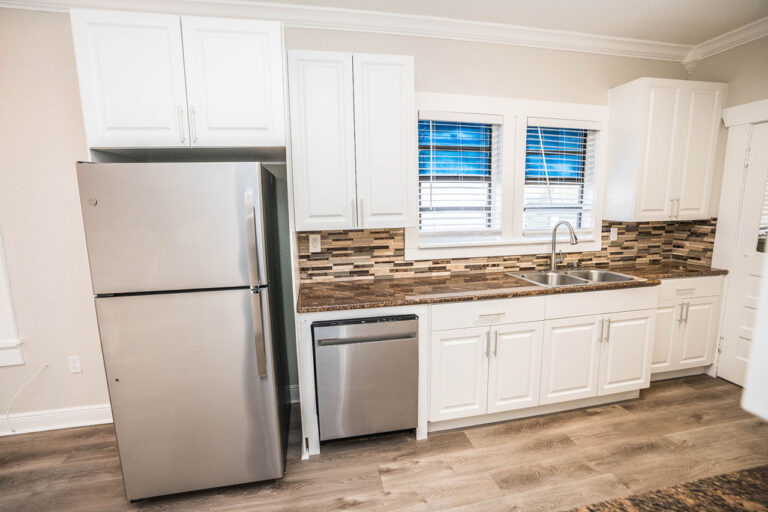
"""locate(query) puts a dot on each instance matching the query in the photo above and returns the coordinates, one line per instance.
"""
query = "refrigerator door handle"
(259, 333)
(251, 239)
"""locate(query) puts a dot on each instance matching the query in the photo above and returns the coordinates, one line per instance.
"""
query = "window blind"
(559, 177)
(459, 177)
(764, 211)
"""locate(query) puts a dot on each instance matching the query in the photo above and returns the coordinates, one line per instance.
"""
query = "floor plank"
(677, 431)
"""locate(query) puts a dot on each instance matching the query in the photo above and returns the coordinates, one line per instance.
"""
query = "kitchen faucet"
(574, 240)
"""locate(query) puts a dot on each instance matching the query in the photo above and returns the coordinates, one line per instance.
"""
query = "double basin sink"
(572, 277)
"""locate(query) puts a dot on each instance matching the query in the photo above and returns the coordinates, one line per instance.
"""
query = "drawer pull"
(500, 313)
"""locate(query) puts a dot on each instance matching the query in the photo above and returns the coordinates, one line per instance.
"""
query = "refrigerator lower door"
(172, 226)
(190, 409)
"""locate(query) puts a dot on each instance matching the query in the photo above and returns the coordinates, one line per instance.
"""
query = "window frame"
(516, 114)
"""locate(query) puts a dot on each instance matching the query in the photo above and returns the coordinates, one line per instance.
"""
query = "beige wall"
(745, 68)
(41, 136)
(449, 66)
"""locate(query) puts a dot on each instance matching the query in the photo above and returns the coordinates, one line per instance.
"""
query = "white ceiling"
(689, 22)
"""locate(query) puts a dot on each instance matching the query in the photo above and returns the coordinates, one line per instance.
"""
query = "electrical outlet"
(74, 364)
(314, 243)
(614, 234)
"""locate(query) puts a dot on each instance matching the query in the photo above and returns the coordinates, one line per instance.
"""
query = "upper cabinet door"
(657, 181)
(385, 140)
(322, 140)
(627, 347)
(234, 71)
(131, 72)
(514, 371)
(570, 360)
(704, 102)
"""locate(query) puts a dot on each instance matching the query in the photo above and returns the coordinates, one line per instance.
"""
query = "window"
(559, 178)
(459, 177)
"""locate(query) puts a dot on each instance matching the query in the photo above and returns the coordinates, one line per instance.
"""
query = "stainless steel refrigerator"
(181, 257)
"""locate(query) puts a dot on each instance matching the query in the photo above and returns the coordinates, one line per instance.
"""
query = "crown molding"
(355, 20)
(742, 35)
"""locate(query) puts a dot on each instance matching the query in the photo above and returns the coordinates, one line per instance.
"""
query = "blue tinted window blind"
(559, 177)
(458, 177)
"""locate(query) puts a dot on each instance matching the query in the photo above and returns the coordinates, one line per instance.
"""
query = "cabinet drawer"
(598, 303)
(672, 289)
(487, 312)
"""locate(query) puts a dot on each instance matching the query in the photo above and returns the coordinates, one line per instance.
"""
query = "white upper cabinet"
(234, 72)
(131, 72)
(385, 140)
(322, 140)
(156, 80)
(661, 149)
(353, 121)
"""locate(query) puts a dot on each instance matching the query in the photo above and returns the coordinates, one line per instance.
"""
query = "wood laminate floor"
(677, 431)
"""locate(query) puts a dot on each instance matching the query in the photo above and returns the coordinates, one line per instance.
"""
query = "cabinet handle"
(353, 205)
(181, 124)
(487, 344)
(671, 208)
(608, 331)
(677, 208)
(682, 308)
(481, 315)
(602, 328)
(687, 307)
(362, 214)
(495, 343)
(193, 124)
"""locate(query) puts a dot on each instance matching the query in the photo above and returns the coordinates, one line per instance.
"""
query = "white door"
(625, 359)
(322, 140)
(514, 371)
(701, 127)
(459, 373)
(385, 140)
(746, 272)
(699, 332)
(656, 179)
(570, 359)
(234, 71)
(131, 72)
(666, 335)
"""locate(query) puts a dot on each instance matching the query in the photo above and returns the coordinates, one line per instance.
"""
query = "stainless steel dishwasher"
(366, 370)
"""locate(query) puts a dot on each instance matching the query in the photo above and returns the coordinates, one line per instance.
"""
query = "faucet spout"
(574, 241)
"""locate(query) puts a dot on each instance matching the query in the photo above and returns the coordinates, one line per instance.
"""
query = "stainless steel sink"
(551, 279)
(600, 276)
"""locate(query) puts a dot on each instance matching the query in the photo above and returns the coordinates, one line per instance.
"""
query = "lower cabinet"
(483, 370)
(685, 334)
(593, 355)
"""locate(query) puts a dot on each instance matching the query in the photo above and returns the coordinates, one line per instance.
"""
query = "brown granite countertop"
(376, 293)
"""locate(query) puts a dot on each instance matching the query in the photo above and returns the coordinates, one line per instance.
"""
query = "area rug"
(745, 490)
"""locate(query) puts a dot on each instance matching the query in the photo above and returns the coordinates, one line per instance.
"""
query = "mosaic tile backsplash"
(379, 253)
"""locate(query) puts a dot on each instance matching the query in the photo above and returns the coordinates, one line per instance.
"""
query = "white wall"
(745, 68)
(41, 134)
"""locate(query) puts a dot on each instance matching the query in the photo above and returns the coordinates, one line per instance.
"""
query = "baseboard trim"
(294, 390)
(532, 411)
(676, 374)
(53, 419)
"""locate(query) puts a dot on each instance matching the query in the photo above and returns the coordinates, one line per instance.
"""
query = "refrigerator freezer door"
(190, 410)
(171, 226)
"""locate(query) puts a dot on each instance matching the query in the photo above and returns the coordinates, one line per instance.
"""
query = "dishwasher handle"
(363, 339)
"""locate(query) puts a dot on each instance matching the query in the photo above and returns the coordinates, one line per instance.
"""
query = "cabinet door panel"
(625, 360)
(570, 359)
(322, 139)
(700, 135)
(234, 71)
(514, 371)
(665, 339)
(459, 373)
(698, 333)
(131, 72)
(385, 140)
(656, 184)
